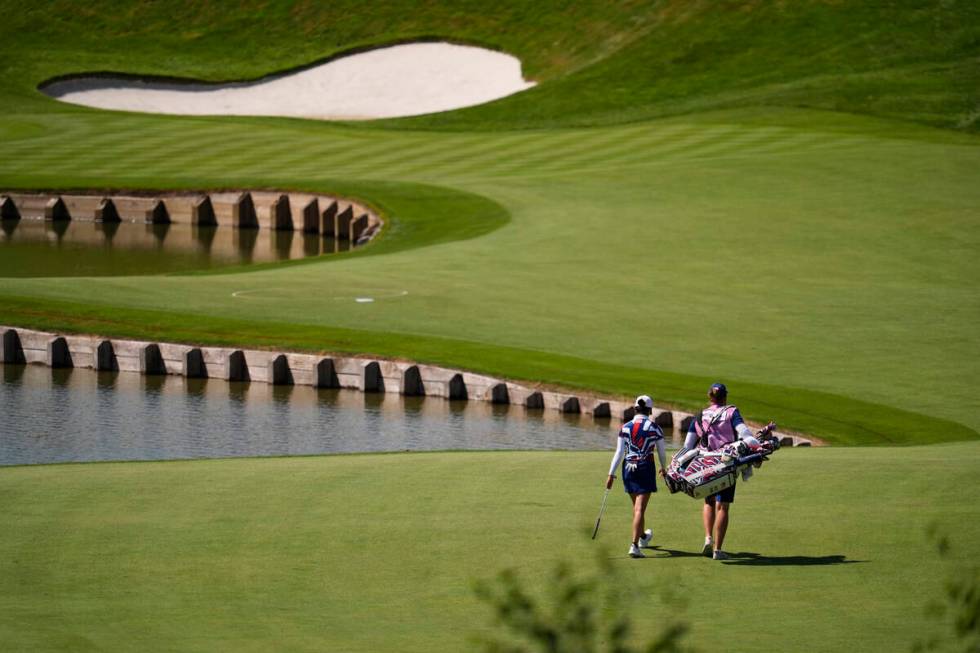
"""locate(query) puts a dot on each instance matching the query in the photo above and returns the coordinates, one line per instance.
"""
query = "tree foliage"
(587, 612)
(959, 611)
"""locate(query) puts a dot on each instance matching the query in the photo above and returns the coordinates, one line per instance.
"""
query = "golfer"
(634, 447)
(711, 429)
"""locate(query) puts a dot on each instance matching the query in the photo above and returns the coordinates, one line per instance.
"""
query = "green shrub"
(588, 612)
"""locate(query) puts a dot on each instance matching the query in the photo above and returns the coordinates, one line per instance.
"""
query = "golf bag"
(701, 473)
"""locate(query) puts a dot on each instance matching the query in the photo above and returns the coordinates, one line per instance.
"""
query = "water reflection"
(32, 247)
(313, 246)
(58, 228)
(244, 241)
(105, 380)
(108, 231)
(204, 237)
(282, 244)
(12, 374)
(159, 232)
(61, 415)
(61, 376)
(153, 384)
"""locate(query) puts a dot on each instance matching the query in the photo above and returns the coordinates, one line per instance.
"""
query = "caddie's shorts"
(725, 496)
(640, 480)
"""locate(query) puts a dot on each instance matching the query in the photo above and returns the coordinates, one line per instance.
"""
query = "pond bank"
(368, 375)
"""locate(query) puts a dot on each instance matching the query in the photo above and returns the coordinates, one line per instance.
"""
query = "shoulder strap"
(700, 430)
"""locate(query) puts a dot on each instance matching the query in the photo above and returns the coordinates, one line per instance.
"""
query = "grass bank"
(839, 419)
(599, 63)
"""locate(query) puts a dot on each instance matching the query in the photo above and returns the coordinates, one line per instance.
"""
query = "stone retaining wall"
(317, 214)
(26, 346)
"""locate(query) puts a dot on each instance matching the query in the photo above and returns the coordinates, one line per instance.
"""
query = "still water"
(65, 415)
(39, 248)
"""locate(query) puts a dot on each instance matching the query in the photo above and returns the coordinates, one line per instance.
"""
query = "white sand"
(402, 80)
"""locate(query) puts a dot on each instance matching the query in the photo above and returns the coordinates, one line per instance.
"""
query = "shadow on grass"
(661, 552)
(657, 552)
(757, 559)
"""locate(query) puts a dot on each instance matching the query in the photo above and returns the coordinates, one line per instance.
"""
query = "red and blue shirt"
(640, 436)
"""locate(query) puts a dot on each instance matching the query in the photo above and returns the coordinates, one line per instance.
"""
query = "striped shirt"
(637, 440)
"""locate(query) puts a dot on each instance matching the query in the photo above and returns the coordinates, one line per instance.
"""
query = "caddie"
(711, 429)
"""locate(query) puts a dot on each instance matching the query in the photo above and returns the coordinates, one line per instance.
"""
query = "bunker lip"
(406, 79)
(274, 74)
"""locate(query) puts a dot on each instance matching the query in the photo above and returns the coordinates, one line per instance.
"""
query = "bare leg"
(639, 510)
(721, 524)
(708, 515)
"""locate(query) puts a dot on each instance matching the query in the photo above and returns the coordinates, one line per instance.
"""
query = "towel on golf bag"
(700, 473)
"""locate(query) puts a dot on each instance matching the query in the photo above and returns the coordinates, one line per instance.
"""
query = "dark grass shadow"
(751, 559)
(757, 559)
(657, 552)
(661, 552)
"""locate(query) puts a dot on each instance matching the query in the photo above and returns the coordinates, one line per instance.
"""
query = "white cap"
(643, 401)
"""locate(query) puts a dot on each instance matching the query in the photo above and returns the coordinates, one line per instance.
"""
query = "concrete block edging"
(342, 218)
(27, 346)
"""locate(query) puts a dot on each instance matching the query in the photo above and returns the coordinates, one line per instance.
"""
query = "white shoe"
(706, 549)
(647, 537)
(719, 555)
(635, 552)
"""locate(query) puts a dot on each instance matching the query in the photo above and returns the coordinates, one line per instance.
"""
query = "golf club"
(601, 510)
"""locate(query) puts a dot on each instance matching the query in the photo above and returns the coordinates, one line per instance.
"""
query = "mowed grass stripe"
(640, 154)
(551, 152)
(745, 145)
(696, 148)
(190, 154)
(454, 159)
(599, 148)
(405, 155)
(621, 152)
(499, 152)
(649, 174)
(579, 149)
(443, 158)
(171, 151)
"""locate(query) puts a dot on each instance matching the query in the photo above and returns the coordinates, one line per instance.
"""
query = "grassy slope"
(842, 245)
(816, 298)
(837, 418)
(910, 59)
(367, 553)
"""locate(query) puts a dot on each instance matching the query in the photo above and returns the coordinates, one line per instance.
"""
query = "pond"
(78, 415)
(39, 248)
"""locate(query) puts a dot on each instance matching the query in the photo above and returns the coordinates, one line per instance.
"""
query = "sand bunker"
(402, 80)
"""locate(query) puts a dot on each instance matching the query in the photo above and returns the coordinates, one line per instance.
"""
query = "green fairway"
(368, 553)
(822, 263)
(793, 257)
(780, 195)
